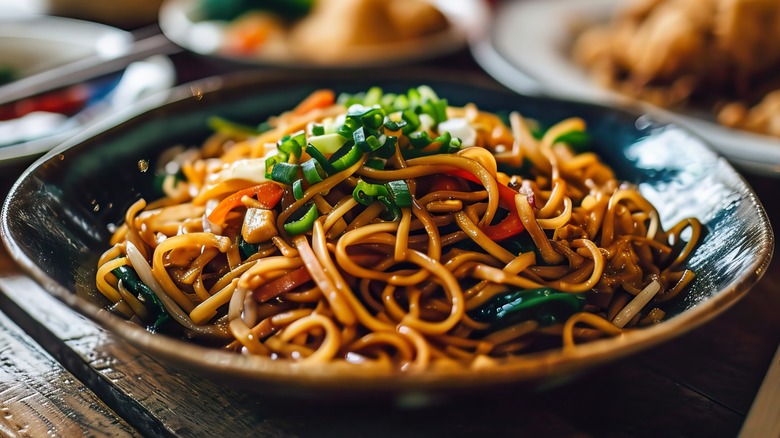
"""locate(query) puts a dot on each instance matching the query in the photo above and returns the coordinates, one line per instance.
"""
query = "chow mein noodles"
(394, 230)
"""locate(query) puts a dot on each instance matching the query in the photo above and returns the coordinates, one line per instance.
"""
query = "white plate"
(35, 45)
(179, 21)
(528, 49)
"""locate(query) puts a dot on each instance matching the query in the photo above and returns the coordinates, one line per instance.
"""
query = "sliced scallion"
(313, 171)
(297, 188)
(304, 224)
(285, 173)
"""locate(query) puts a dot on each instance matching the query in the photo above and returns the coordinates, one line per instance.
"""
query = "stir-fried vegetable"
(268, 194)
(304, 224)
(133, 283)
(544, 305)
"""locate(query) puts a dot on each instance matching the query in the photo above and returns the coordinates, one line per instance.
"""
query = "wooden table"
(61, 375)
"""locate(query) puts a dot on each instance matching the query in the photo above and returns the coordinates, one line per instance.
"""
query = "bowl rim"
(543, 365)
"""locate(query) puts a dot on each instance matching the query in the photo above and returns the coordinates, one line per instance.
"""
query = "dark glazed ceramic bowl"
(56, 218)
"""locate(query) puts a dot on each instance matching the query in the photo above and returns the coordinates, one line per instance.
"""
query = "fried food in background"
(335, 26)
(331, 29)
(722, 55)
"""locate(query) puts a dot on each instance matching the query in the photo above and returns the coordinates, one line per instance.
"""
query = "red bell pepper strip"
(439, 182)
(318, 99)
(268, 194)
(511, 225)
(285, 283)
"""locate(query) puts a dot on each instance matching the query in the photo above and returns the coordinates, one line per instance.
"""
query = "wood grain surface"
(38, 397)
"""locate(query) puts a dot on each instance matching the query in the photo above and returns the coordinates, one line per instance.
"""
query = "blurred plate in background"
(528, 49)
(39, 46)
(183, 22)
(34, 43)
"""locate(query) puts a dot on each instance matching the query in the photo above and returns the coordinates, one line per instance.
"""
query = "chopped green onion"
(443, 139)
(392, 125)
(346, 157)
(372, 97)
(313, 171)
(271, 162)
(292, 145)
(317, 129)
(398, 192)
(349, 126)
(440, 111)
(401, 102)
(366, 143)
(297, 189)
(373, 119)
(392, 194)
(317, 155)
(412, 121)
(388, 101)
(285, 173)
(414, 97)
(393, 212)
(359, 137)
(376, 163)
(365, 193)
(420, 139)
(388, 149)
(426, 93)
(304, 224)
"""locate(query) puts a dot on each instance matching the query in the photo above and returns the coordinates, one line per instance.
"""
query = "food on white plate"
(323, 31)
(719, 56)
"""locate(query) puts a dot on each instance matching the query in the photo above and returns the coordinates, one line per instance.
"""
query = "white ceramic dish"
(35, 43)
(179, 21)
(528, 49)
(34, 46)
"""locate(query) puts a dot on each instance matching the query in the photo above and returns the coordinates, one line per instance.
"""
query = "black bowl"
(56, 220)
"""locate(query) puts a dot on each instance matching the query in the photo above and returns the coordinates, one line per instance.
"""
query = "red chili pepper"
(285, 283)
(511, 225)
(268, 194)
(439, 182)
(67, 101)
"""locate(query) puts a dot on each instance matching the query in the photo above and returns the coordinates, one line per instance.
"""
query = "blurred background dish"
(530, 49)
(40, 51)
(323, 33)
(32, 44)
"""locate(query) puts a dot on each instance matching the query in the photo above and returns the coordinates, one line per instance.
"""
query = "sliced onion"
(208, 226)
(144, 271)
(637, 304)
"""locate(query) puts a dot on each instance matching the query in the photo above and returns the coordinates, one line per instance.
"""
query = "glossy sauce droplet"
(197, 92)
